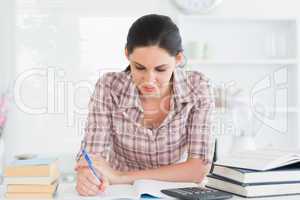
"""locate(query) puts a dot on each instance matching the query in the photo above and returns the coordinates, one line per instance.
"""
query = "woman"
(142, 121)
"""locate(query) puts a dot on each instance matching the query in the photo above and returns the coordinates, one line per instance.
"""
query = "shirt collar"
(129, 95)
(182, 87)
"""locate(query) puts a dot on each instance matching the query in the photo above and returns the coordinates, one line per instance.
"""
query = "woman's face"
(151, 69)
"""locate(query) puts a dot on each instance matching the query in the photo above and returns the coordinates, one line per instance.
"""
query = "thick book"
(32, 167)
(32, 188)
(261, 159)
(283, 174)
(22, 172)
(31, 180)
(139, 189)
(29, 195)
(254, 189)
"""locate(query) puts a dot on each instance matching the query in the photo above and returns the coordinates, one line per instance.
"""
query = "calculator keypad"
(197, 193)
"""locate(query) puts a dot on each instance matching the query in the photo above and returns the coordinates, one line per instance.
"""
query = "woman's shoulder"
(113, 84)
(114, 80)
(199, 84)
(196, 77)
(198, 81)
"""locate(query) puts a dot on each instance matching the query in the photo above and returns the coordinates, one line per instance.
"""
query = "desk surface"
(67, 192)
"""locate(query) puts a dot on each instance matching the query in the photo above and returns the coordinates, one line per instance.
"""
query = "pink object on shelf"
(2, 120)
(3, 105)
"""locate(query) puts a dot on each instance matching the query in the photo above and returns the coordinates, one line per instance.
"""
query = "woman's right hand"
(87, 183)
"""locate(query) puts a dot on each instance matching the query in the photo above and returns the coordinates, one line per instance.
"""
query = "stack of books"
(260, 173)
(33, 178)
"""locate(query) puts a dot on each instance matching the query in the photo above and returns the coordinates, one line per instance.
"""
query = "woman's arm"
(97, 137)
(192, 170)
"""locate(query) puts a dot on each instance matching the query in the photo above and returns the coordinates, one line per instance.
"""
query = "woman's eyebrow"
(162, 65)
(138, 64)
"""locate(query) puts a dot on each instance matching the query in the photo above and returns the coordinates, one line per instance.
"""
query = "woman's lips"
(148, 88)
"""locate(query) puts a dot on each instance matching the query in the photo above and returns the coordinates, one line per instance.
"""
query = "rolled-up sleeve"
(97, 138)
(200, 138)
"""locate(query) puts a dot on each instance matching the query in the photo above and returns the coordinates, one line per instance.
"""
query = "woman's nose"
(150, 77)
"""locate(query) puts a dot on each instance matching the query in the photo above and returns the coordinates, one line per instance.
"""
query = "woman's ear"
(179, 59)
(126, 53)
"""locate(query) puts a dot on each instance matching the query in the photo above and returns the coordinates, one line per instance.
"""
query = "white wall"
(6, 41)
(53, 132)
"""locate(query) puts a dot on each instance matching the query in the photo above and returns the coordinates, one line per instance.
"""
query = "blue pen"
(90, 164)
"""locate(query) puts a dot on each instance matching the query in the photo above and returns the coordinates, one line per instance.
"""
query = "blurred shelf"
(243, 62)
(266, 19)
(294, 110)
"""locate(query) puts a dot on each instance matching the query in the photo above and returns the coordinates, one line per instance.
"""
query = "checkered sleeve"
(98, 126)
(199, 129)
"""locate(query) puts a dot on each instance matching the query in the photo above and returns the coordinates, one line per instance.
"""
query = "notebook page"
(120, 191)
(153, 187)
(113, 192)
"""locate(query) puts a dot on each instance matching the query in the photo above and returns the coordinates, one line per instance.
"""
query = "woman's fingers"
(78, 166)
(92, 179)
(91, 176)
(104, 184)
(102, 188)
(81, 189)
(81, 163)
(86, 191)
(87, 184)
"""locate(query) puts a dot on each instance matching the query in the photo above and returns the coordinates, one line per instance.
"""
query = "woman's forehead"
(151, 56)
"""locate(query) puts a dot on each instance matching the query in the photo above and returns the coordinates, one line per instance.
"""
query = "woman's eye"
(160, 70)
(139, 68)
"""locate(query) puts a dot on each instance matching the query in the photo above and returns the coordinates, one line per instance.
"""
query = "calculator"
(196, 193)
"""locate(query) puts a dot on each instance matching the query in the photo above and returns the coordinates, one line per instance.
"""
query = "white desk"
(67, 192)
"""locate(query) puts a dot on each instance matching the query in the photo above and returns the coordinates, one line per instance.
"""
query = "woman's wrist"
(123, 178)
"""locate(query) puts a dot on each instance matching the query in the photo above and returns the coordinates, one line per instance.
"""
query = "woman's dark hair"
(157, 30)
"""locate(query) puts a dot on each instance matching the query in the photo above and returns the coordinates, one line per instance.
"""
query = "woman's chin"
(150, 94)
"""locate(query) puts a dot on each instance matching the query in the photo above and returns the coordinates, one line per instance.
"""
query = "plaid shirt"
(113, 130)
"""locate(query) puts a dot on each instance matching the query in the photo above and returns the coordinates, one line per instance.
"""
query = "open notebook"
(261, 159)
(140, 188)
